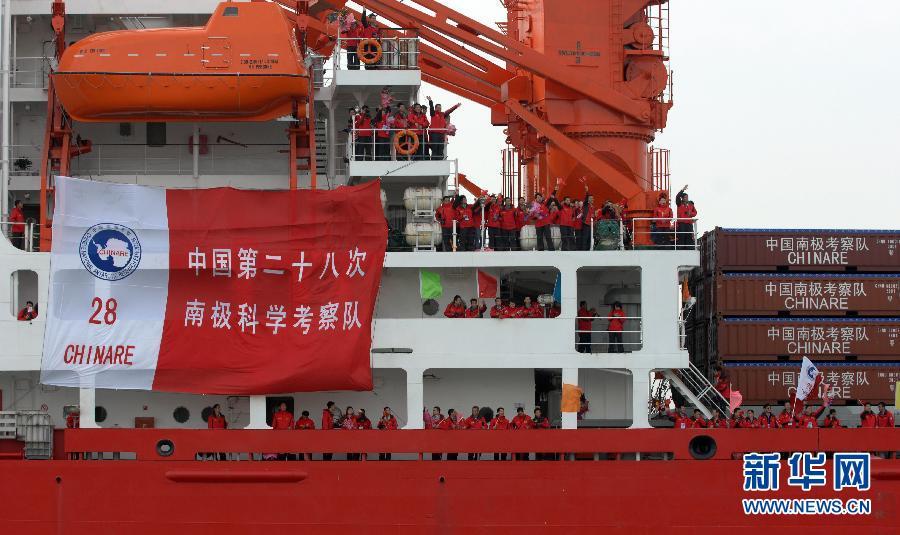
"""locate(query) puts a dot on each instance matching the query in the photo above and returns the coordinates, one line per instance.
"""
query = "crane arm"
(492, 42)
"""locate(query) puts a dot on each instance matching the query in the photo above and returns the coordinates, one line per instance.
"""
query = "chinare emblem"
(109, 251)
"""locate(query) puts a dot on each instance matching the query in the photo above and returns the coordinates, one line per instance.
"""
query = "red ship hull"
(157, 494)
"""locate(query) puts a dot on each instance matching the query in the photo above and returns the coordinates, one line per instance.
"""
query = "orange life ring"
(369, 51)
(406, 142)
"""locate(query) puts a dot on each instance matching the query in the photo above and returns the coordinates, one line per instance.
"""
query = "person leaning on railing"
(362, 124)
(583, 324)
(616, 326)
(418, 124)
(384, 121)
(369, 30)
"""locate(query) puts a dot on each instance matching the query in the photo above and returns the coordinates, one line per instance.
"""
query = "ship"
(255, 96)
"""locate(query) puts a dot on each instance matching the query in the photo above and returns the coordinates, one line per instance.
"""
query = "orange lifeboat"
(243, 65)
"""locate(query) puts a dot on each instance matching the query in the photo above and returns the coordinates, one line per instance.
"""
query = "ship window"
(181, 414)
(100, 414)
(24, 286)
(600, 289)
(230, 12)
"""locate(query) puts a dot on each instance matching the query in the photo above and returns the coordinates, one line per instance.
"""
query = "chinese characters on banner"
(238, 292)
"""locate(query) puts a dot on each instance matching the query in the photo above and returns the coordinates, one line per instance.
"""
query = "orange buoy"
(406, 142)
(369, 51)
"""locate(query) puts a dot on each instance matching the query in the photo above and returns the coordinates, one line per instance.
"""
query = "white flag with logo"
(810, 377)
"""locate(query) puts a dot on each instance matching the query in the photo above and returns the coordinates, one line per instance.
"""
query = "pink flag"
(734, 400)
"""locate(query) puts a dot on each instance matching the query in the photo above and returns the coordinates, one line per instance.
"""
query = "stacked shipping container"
(767, 298)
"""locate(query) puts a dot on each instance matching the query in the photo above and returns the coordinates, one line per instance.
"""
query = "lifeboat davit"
(243, 65)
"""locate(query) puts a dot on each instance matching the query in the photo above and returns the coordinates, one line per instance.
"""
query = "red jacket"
(746, 423)
(522, 421)
(216, 422)
(885, 419)
(579, 218)
(868, 419)
(477, 312)
(445, 214)
(534, 311)
(616, 324)
(350, 38)
(436, 420)
(681, 422)
(585, 324)
(700, 422)
(474, 422)
(566, 217)
(543, 423)
(282, 420)
(511, 312)
(492, 211)
(767, 422)
(439, 119)
(382, 129)
(388, 425)
(811, 421)
(454, 311)
(363, 424)
(832, 423)
(554, 312)
(520, 218)
(304, 423)
(349, 423)
(540, 216)
(686, 213)
(16, 216)
(498, 311)
(499, 423)
(363, 126)
(720, 423)
(447, 424)
(785, 419)
(73, 421)
(465, 217)
(663, 216)
(508, 218)
(24, 315)
(327, 419)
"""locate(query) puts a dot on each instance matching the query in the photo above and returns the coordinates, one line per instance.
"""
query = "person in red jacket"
(531, 310)
(304, 422)
(362, 421)
(767, 420)
(468, 227)
(440, 120)
(616, 328)
(810, 419)
(456, 309)
(541, 422)
(747, 421)
(450, 423)
(584, 326)
(446, 215)
(539, 215)
(387, 423)
(786, 417)
(328, 421)
(216, 420)
(699, 421)
(521, 422)
(868, 418)
(369, 30)
(350, 42)
(476, 422)
(282, 420)
(499, 423)
(383, 122)
(508, 231)
(363, 127)
(884, 418)
(661, 225)
(684, 229)
(680, 418)
(492, 207)
(831, 421)
(567, 224)
(511, 310)
(17, 228)
(28, 313)
(719, 422)
(418, 124)
(475, 310)
(73, 419)
(498, 309)
(555, 310)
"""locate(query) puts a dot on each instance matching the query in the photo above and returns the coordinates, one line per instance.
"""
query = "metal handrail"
(424, 142)
(30, 72)
(29, 237)
(398, 53)
(662, 235)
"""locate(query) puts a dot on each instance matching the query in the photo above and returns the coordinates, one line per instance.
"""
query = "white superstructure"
(419, 360)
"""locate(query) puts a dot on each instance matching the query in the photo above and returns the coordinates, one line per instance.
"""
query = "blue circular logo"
(109, 251)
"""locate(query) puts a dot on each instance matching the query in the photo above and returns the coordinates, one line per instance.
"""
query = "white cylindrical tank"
(528, 238)
(423, 234)
(422, 198)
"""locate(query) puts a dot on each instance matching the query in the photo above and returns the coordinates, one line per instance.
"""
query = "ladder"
(698, 390)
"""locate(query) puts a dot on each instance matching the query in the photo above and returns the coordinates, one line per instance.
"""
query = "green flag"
(430, 284)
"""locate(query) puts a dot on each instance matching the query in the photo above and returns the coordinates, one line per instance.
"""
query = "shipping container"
(817, 338)
(774, 294)
(773, 382)
(800, 250)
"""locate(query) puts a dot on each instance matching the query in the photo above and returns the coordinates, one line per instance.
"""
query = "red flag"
(487, 285)
(734, 400)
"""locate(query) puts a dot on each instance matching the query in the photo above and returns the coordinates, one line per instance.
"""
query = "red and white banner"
(214, 291)
(809, 380)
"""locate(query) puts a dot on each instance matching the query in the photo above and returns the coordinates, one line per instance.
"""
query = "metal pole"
(4, 133)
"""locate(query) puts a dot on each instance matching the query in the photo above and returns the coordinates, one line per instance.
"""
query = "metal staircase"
(698, 390)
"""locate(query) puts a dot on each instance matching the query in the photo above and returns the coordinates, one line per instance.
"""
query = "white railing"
(30, 72)
(665, 233)
(26, 240)
(631, 339)
(397, 53)
(375, 148)
(220, 159)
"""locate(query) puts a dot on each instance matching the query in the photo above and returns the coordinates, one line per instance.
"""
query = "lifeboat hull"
(228, 70)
